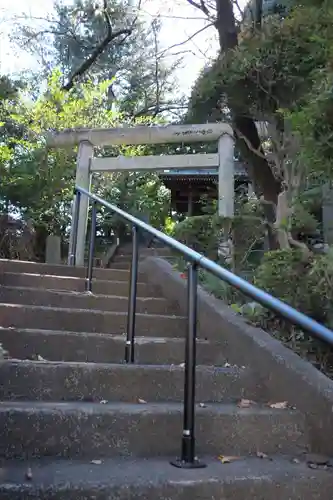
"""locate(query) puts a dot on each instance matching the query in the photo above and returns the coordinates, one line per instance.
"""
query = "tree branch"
(110, 36)
(162, 108)
(187, 39)
(201, 6)
(250, 146)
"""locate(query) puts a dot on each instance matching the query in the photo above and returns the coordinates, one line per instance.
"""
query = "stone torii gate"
(87, 164)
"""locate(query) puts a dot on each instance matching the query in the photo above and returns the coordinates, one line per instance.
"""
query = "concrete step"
(126, 256)
(55, 345)
(94, 430)
(85, 320)
(149, 479)
(122, 264)
(59, 381)
(49, 282)
(21, 266)
(82, 300)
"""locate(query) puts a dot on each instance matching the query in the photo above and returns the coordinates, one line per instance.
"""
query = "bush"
(307, 286)
(281, 273)
(200, 233)
(203, 233)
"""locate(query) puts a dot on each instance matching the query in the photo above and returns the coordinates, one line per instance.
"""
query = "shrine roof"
(177, 173)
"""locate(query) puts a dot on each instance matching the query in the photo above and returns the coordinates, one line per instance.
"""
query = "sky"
(179, 22)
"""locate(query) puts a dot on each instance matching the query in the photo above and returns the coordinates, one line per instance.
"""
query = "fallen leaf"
(28, 474)
(260, 454)
(224, 459)
(279, 406)
(142, 401)
(103, 402)
(245, 403)
(96, 462)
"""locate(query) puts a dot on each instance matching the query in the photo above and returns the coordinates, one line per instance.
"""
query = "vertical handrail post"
(130, 339)
(91, 247)
(188, 460)
(75, 223)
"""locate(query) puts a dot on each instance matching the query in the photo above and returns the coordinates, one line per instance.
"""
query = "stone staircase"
(78, 423)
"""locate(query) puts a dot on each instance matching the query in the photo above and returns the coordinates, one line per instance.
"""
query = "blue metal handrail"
(195, 260)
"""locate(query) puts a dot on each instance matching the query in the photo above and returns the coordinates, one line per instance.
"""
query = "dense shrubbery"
(306, 284)
(200, 233)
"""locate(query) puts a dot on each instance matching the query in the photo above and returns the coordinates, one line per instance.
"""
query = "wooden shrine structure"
(189, 186)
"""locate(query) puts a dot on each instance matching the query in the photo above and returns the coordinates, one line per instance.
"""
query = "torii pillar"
(169, 134)
(82, 179)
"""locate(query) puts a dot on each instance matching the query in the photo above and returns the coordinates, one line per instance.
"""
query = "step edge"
(141, 338)
(61, 277)
(113, 367)
(73, 310)
(75, 293)
(129, 408)
(138, 470)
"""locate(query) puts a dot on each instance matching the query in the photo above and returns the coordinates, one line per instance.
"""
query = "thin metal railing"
(188, 458)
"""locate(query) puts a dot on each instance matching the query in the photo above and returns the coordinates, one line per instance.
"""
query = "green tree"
(98, 41)
(228, 26)
(273, 75)
(38, 182)
(10, 130)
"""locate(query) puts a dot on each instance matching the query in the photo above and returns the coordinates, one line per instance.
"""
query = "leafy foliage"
(313, 122)
(99, 41)
(8, 128)
(281, 273)
(307, 286)
(38, 182)
(80, 25)
(141, 194)
(203, 233)
(271, 69)
(200, 233)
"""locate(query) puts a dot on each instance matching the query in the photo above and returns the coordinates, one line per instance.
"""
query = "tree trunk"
(259, 171)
